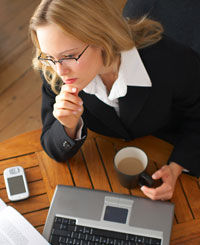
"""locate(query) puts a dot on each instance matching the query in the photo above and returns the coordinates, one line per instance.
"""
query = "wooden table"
(92, 167)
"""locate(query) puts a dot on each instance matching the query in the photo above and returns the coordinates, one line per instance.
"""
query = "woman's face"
(55, 44)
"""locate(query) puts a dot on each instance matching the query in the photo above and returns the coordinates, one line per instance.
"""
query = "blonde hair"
(95, 22)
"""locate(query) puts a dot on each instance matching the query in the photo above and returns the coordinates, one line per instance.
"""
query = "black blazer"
(169, 109)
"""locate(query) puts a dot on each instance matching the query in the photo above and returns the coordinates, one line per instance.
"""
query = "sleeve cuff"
(79, 130)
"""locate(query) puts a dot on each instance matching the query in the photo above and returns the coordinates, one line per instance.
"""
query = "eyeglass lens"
(50, 62)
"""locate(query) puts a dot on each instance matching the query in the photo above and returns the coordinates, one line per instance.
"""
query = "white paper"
(2, 205)
(16, 230)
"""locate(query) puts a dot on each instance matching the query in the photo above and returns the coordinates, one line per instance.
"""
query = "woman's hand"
(68, 109)
(169, 175)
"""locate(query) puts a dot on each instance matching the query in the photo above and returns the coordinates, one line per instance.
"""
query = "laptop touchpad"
(116, 210)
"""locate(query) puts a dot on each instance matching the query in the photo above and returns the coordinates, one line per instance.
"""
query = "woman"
(119, 78)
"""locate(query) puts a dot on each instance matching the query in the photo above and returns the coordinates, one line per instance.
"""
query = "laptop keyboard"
(65, 231)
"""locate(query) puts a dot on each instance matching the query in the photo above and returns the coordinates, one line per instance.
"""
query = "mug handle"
(145, 179)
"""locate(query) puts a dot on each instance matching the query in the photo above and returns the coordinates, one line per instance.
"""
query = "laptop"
(83, 216)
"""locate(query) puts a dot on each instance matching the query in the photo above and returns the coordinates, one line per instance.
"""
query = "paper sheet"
(16, 230)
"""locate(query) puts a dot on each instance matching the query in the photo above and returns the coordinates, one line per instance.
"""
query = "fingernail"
(81, 102)
(142, 188)
(74, 90)
(79, 109)
(154, 176)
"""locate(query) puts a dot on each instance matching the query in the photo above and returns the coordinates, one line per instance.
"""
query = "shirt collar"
(131, 73)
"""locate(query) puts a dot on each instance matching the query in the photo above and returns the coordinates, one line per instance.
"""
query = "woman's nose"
(62, 69)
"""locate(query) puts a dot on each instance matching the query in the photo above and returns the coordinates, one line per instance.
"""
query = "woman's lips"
(70, 81)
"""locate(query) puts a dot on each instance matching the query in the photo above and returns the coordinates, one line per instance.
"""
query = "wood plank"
(107, 152)
(195, 240)
(94, 165)
(40, 229)
(2, 183)
(37, 218)
(31, 204)
(79, 171)
(37, 188)
(29, 118)
(9, 9)
(192, 191)
(53, 173)
(33, 173)
(20, 145)
(16, 29)
(182, 209)
(11, 107)
(186, 232)
(26, 161)
(15, 64)
(155, 148)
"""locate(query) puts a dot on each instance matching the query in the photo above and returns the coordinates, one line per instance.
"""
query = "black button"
(66, 145)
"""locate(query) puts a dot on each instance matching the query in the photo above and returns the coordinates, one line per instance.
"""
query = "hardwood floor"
(20, 85)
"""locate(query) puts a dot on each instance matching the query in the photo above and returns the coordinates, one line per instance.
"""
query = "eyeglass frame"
(61, 60)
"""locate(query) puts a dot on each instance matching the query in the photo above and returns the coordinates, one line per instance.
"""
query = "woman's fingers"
(68, 100)
(165, 191)
(68, 95)
(68, 107)
(69, 89)
(164, 171)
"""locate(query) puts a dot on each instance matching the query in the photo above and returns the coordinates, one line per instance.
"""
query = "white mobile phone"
(16, 184)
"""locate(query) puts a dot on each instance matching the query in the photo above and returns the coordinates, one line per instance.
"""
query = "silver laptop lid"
(111, 211)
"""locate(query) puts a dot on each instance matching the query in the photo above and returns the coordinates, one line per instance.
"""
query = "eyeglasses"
(63, 61)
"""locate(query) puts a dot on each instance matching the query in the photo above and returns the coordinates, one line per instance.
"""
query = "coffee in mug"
(130, 164)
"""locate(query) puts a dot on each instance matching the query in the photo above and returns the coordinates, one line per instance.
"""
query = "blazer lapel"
(104, 113)
(131, 105)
